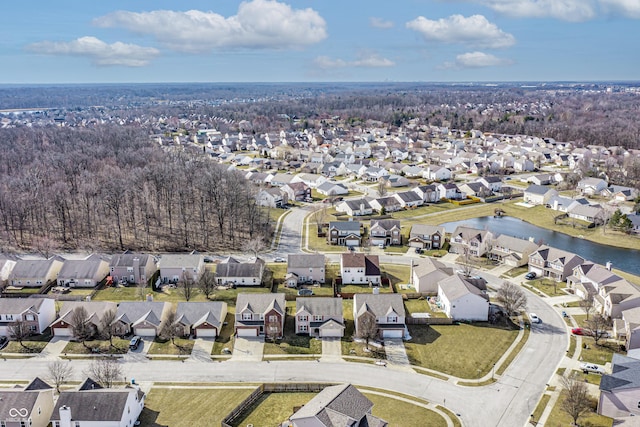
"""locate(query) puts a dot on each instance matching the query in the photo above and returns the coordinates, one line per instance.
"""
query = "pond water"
(624, 259)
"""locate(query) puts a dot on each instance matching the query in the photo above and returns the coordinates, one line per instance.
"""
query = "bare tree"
(82, 329)
(207, 282)
(511, 297)
(468, 264)
(108, 326)
(320, 217)
(586, 304)
(272, 327)
(106, 371)
(367, 328)
(256, 246)
(575, 398)
(59, 371)
(597, 327)
(170, 329)
(187, 286)
(381, 187)
(19, 330)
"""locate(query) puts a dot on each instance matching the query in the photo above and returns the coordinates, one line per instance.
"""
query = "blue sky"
(69, 41)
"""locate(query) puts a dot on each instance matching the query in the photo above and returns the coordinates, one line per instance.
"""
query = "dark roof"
(305, 260)
(241, 269)
(96, 405)
(37, 384)
(16, 399)
(625, 374)
(386, 224)
(89, 384)
(352, 226)
(537, 189)
(126, 259)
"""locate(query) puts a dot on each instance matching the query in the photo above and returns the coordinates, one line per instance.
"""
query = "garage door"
(62, 332)
(352, 242)
(145, 332)
(330, 333)
(378, 241)
(392, 333)
(206, 333)
(248, 332)
(416, 244)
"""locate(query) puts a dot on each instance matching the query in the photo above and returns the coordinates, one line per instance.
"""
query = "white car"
(593, 368)
(534, 318)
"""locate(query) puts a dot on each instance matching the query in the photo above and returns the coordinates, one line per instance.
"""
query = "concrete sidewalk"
(201, 351)
(54, 348)
(247, 349)
(331, 350)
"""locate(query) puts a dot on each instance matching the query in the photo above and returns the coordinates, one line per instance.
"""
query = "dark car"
(418, 250)
(3, 342)
(135, 343)
(530, 275)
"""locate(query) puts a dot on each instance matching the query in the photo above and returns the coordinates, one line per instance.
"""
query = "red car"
(577, 331)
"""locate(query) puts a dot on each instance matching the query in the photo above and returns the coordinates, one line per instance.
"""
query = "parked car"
(381, 245)
(593, 368)
(530, 275)
(581, 331)
(305, 292)
(534, 318)
(279, 259)
(418, 250)
(135, 343)
(208, 259)
(577, 331)
(3, 342)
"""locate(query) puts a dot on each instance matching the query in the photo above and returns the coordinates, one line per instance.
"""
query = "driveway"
(202, 348)
(55, 347)
(248, 349)
(139, 354)
(331, 350)
(396, 353)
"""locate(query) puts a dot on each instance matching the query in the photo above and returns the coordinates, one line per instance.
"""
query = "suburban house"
(467, 240)
(475, 189)
(511, 251)
(201, 319)
(426, 274)
(635, 223)
(305, 268)
(319, 317)
(29, 406)
(614, 298)
(588, 213)
(592, 186)
(297, 191)
(272, 197)
(631, 329)
(436, 173)
(494, 183)
(449, 191)
(361, 269)
(427, 236)
(240, 273)
(176, 267)
(63, 325)
(143, 318)
(386, 309)
(588, 277)
(539, 194)
(355, 207)
(619, 390)
(338, 405)
(37, 313)
(35, 273)
(461, 299)
(388, 204)
(85, 273)
(132, 268)
(385, 232)
(344, 233)
(553, 263)
(429, 193)
(104, 407)
(260, 315)
(332, 189)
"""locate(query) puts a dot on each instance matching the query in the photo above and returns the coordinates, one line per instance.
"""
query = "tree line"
(110, 188)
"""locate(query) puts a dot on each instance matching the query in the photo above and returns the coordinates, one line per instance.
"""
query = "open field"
(466, 351)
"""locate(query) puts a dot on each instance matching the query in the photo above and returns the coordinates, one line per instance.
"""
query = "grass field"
(559, 418)
(292, 343)
(599, 354)
(466, 351)
(548, 286)
(182, 346)
(189, 407)
(224, 339)
(120, 346)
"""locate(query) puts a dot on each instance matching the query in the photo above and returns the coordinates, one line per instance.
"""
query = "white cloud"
(476, 60)
(628, 8)
(475, 30)
(259, 24)
(566, 10)
(380, 23)
(101, 53)
(363, 61)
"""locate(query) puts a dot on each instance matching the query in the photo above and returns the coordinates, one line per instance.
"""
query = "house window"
(392, 319)
(33, 328)
(9, 316)
(273, 318)
(77, 423)
(246, 316)
(303, 318)
(29, 317)
(303, 328)
(317, 318)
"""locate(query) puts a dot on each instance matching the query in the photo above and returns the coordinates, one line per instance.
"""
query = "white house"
(358, 268)
(355, 207)
(437, 173)
(461, 300)
(37, 313)
(386, 309)
(539, 194)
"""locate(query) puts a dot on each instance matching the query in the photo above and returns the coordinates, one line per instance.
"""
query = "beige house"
(132, 268)
(620, 390)
(83, 273)
(30, 406)
(386, 309)
(35, 273)
(511, 250)
(319, 317)
(174, 267)
(305, 268)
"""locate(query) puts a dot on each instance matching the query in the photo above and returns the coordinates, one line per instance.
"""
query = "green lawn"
(325, 290)
(559, 418)
(362, 289)
(572, 346)
(548, 286)
(540, 407)
(396, 273)
(189, 407)
(588, 377)
(516, 271)
(598, 354)
(120, 346)
(31, 347)
(225, 337)
(273, 408)
(403, 414)
(464, 350)
(292, 343)
(420, 305)
(182, 346)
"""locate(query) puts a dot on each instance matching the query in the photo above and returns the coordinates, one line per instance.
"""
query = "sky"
(149, 41)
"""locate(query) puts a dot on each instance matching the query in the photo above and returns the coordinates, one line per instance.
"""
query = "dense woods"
(110, 188)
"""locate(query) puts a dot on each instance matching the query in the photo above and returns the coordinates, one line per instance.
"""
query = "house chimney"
(149, 298)
(136, 269)
(65, 416)
(609, 265)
